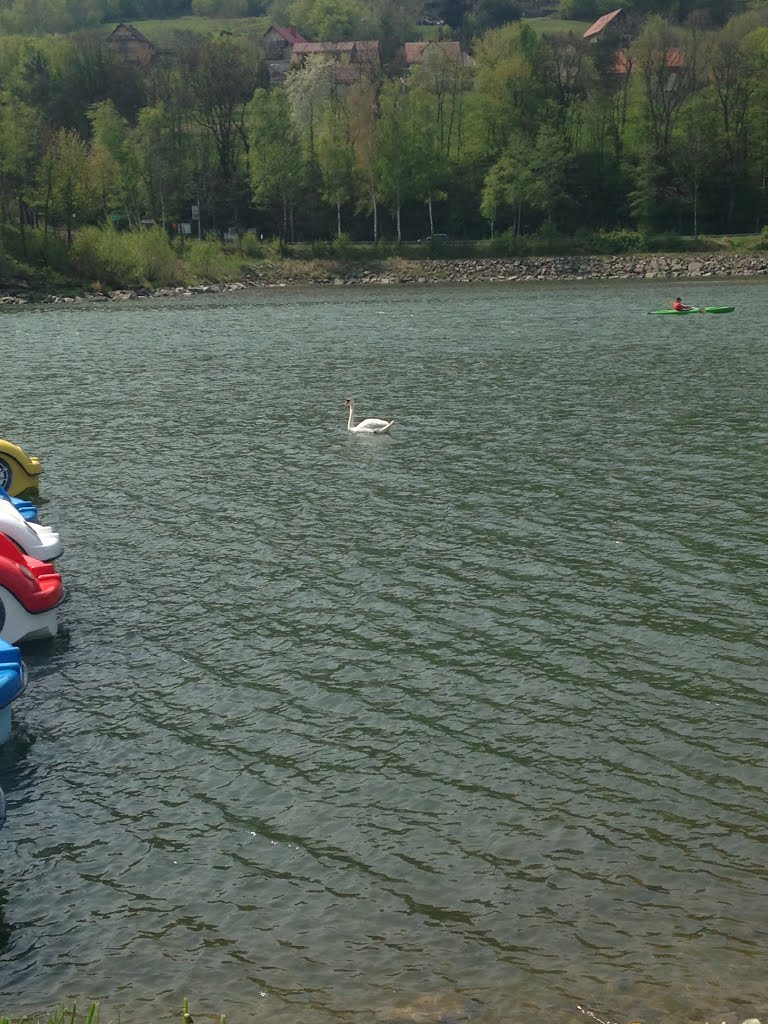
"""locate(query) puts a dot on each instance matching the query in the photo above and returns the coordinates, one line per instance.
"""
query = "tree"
(66, 180)
(335, 20)
(221, 77)
(508, 91)
(395, 150)
(507, 186)
(336, 158)
(277, 166)
(20, 133)
(309, 89)
(495, 13)
(732, 71)
(364, 127)
(162, 161)
(667, 74)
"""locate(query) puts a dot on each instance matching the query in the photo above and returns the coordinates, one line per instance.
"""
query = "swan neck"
(351, 420)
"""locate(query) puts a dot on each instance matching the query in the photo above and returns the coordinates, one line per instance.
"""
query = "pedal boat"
(13, 680)
(19, 472)
(34, 539)
(26, 509)
(30, 594)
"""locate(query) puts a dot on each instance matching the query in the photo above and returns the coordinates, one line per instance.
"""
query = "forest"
(661, 130)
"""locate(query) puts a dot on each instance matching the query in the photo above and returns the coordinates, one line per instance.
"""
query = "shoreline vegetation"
(105, 265)
(431, 1014)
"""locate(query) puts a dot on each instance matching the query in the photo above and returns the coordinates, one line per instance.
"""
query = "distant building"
(128, 45)
(278, 43)
(422, 53)
(355, 60)
(672, 58)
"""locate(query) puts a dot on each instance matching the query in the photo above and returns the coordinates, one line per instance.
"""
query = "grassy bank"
(103, 260)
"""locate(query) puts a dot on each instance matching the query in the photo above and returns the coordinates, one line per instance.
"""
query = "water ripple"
(462, 723)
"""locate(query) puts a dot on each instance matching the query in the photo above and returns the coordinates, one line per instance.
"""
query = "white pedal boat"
(35, 540)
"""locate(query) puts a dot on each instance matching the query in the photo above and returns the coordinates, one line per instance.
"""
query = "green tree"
(364, 127)
(509, 95)
(336, 158)
(20, 134)
(220, 76)
(162, 160)
(332, 20)
(66, 181)
(277, 169)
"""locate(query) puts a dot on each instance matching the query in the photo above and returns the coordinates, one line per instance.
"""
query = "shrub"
(251, 246)
(614, 243)
(102, 253)
(130, 259)
(206, 261)
(342, 247)
(153, 255)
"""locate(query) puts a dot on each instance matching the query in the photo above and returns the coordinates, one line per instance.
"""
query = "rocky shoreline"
(440, 271)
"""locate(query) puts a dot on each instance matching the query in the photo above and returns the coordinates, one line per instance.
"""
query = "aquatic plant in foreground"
(70, 1015)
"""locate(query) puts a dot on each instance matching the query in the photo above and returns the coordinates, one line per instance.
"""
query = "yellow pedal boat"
(19, 472)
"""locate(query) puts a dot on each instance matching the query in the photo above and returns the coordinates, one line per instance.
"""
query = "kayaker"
(679, 306)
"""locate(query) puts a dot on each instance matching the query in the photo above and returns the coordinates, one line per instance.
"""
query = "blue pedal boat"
(27, 509)
(13, 681)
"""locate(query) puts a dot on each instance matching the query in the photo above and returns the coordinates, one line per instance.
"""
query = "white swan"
(371, 426)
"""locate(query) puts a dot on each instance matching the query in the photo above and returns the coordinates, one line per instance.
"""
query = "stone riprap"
(436, 271)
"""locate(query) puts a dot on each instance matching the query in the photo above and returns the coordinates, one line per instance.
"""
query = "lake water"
(467, 722)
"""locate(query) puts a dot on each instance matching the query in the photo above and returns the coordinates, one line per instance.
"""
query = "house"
(355, 60)
(673, 58)
(430, 52)
(278, 43)
(128, 45)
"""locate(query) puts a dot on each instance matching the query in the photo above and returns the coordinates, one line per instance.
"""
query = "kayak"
(693, 309)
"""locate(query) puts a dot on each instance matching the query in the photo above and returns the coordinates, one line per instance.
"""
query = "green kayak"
(693, 309)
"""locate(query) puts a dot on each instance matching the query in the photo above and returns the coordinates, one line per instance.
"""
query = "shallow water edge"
(395, 270)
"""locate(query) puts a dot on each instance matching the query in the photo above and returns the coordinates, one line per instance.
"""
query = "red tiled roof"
(597, 27)
(367, 46)
(624, 63)
(414, 52)
(290, 34)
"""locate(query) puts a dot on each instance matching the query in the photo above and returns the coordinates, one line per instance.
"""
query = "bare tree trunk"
(375, 215)
(291, 215)
(399, 232)
(338, 217)
(431, 221)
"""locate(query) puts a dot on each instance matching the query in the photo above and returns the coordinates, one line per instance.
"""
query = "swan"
(371, 426)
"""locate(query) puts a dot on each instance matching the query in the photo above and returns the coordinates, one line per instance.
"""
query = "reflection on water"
(458, 724)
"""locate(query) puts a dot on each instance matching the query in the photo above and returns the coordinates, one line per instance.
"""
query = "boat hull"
(17, 624)
(19, 472)
(694, 309)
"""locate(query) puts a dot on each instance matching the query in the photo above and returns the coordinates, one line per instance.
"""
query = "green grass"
(542, 25)
(161, 31)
